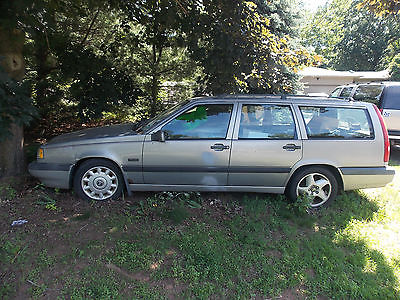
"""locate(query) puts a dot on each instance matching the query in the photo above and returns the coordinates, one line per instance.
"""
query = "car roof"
(299, 99)
(385, 83)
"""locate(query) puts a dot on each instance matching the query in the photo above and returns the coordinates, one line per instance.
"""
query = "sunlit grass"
(382, 231)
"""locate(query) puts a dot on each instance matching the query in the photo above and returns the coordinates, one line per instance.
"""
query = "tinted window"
(336, 92)
(368, 93)
(209, 121)
(266, 121)
(146, 125)
(333, 122)
(392, 97)
(346, 92)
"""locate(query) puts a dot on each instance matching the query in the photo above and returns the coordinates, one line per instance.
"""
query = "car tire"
(317, 182)
(98, 179)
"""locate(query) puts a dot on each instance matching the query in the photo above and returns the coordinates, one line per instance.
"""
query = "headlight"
(40, 153)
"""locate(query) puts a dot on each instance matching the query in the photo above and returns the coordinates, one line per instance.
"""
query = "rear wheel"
(316, 183)
(98, 179)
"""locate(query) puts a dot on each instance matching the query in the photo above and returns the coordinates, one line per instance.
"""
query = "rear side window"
(337, 123)
(266, 121)
(368, 93)
(392, 97)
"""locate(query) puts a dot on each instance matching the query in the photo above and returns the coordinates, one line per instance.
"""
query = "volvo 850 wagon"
(295, 145)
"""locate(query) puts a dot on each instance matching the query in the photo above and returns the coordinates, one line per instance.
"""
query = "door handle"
(291, 147)
(219, 147)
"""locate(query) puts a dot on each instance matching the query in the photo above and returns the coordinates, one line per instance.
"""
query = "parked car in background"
(270, 144)
(386, 95)
(343, 91)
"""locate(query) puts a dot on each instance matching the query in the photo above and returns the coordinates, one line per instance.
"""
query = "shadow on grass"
(302, 255)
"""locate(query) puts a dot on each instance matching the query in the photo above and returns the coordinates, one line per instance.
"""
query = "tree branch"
(90, 27)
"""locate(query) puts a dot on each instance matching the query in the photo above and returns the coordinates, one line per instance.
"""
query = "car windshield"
(335, 93)
(149, 123)
(368, 93)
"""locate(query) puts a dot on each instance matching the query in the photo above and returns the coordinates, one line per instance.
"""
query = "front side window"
(266, 121)
(205, 121)
(337, 123)
(346, 92)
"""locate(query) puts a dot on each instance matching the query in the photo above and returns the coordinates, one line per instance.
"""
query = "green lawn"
(213, 246)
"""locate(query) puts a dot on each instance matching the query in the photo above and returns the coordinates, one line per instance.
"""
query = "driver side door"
(196, 148)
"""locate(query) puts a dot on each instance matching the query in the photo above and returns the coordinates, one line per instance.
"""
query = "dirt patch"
(274, 253)
(139, 276)
(310, 273)
(291, 294)
(171, 288)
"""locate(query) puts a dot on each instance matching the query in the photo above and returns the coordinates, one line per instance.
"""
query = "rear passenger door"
(265, 145)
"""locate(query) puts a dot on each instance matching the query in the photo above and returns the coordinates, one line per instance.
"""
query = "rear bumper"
(50, 174)
(366, 177)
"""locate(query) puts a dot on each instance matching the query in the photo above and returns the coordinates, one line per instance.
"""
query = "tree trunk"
(12, 61)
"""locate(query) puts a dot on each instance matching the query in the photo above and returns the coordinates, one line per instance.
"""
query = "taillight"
(385, 135)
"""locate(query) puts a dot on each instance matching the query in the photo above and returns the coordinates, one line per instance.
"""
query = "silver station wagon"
(244, 143)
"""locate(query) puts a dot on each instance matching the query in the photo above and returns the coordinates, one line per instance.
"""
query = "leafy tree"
(381, 7)
(153, 40)
(394, 68)
(15, 103)
(239, 49)
(350, 38)
(62, 67)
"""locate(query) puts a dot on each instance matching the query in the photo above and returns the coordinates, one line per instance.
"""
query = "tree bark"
(12, 61)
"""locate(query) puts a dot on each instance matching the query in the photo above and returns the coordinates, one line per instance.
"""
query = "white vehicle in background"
(385, 95)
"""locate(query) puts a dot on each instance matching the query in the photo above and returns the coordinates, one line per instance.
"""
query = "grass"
(214, 246)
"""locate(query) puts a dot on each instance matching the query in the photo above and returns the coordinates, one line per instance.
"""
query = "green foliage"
(95, 85)
(15, 104)
(382, 7)
(394, 68)
(47, 202)
(242, 49)
(152, 38)
(90, 59)
(301, 206)
(350, 38)
(7, 193)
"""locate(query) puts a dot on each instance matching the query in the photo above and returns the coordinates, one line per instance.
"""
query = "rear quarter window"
(337, 122)
(392, 97)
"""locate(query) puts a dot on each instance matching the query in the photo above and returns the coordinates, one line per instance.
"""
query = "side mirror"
(158, 136)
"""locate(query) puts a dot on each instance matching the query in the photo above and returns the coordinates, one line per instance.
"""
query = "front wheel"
(98, 179)
(316, 183)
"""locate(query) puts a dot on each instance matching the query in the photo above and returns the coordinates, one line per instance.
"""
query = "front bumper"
(51, 174)
(366, 177)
